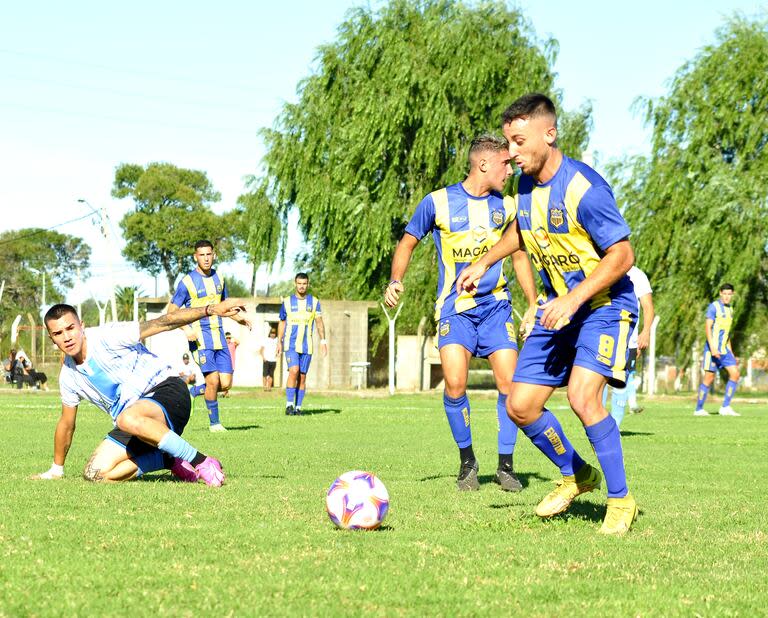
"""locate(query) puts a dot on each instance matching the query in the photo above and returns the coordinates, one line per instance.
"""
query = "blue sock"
(173, 444)
(703, 392)
(618, 404)
(457, 411)
(149, 462)
(730, 391)
(606, 441)
(213, 411)
(299, 397)
(605, 396)
(196, 390)
(507, 429)
(290, 396)
(547, 435)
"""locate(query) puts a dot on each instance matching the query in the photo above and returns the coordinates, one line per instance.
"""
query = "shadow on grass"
(312, 411)
(630, 434)
(525, 479)
(374, 531)
(588, 511)
(242, 427)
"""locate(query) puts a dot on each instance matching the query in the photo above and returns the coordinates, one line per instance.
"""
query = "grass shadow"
(588, 511)
(243, 427)
(524, 478)
(629, 434)
(313, 411)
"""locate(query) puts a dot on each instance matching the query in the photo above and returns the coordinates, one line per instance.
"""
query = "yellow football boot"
(585, 480)
(620, 515)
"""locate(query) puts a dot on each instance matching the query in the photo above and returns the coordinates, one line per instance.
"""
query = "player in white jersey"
(147, 402)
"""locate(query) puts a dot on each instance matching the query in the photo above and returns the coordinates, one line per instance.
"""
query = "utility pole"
(104, 225)
(391, 346)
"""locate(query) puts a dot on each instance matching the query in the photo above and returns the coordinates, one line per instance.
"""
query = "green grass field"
(263, 545)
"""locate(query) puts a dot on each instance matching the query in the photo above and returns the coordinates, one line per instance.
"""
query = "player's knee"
(129, 421)
(581, 403)
(455, 387)
(518, 412)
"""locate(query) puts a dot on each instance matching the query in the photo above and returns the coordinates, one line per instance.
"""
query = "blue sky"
(85, 86)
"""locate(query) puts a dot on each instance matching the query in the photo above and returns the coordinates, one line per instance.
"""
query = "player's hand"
(278, 349)
(49, 475)
(558, 312)
(228, 308)
(643, 341)
(324, 349)
(468, 278)
(191, 336)
(392, 293)
(528, 321)
(715, 354)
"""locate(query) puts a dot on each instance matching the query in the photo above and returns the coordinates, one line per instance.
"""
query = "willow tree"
(387, 117)
(698, 206)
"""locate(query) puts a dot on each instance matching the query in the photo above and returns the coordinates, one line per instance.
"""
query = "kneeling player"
(147, 402)
(465, 220)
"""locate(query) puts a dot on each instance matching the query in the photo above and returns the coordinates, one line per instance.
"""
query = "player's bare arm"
(708, 324)
(62, 440)
(644, 338)
(618, 259)
(176, 319)
(400, 262)
(508, 244)
(321, 332)
(280, 334)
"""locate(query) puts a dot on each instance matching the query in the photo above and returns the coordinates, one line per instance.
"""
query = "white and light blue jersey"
(117, 370)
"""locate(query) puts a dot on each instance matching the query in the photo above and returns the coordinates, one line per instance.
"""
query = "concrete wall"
(346, 329)
(417, 363)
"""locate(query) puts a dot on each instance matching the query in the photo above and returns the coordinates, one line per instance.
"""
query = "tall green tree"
(124, 297)
(25, 255)
(698, 205)
(386, 118)
(173, 210)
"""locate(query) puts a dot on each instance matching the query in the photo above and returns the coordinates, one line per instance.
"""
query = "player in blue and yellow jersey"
(718, 353)
(299, 313)
(569, 224)
(465, 220)
(204, 286)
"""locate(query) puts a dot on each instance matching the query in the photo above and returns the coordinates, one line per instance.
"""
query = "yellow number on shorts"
(605, 349)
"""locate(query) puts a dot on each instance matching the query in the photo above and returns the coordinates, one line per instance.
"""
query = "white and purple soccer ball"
(357, 501)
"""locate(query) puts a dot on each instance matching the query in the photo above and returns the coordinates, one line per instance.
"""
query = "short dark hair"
(203, 243)
(726, 286)
(488, 142)
(227, 334)
(529, 105)
(185, 356)
(59, 311)
(301, 276)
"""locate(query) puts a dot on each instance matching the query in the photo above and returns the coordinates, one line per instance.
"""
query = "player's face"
(497, 169)
(204, 257)
(530, 142)
(726, 296)
(301, 286)
(67, 334)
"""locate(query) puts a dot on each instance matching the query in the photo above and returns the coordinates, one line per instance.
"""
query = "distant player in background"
(148, 403)
(268, 351)
(578, 241)
(232, 344)
(299, 313)
(203, 286)
(465, 220)
(718, 353)
(637, 343)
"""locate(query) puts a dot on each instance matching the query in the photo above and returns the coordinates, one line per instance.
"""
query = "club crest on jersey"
(541, 236)
(497, 217)
(445, 328)
(479, 234)
(556, 217)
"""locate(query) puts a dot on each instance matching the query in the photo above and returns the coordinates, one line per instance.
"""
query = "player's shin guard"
(605, 439)
(631, 391)
(547, 435)
(290, 396)
(507, 437)
(176, 446)
(300, 397)
(457, 411)
(213, 411)
(702, 398)
(618, 404)
(730, 391)
(149, 462)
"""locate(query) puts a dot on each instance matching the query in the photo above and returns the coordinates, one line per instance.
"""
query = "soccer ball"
(357, 501)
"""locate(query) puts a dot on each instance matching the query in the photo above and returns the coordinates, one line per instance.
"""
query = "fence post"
(391, 346)
(652, 358)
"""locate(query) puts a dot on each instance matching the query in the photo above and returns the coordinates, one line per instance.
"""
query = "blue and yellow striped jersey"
(464, 227)
(721, 329)
(567, 224)
(299, 315)
(197, 290)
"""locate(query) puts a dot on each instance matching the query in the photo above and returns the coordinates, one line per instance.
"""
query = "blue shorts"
(482, 330)
(710, 363)
(294, 358)
(596, 339)
(213, 360)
